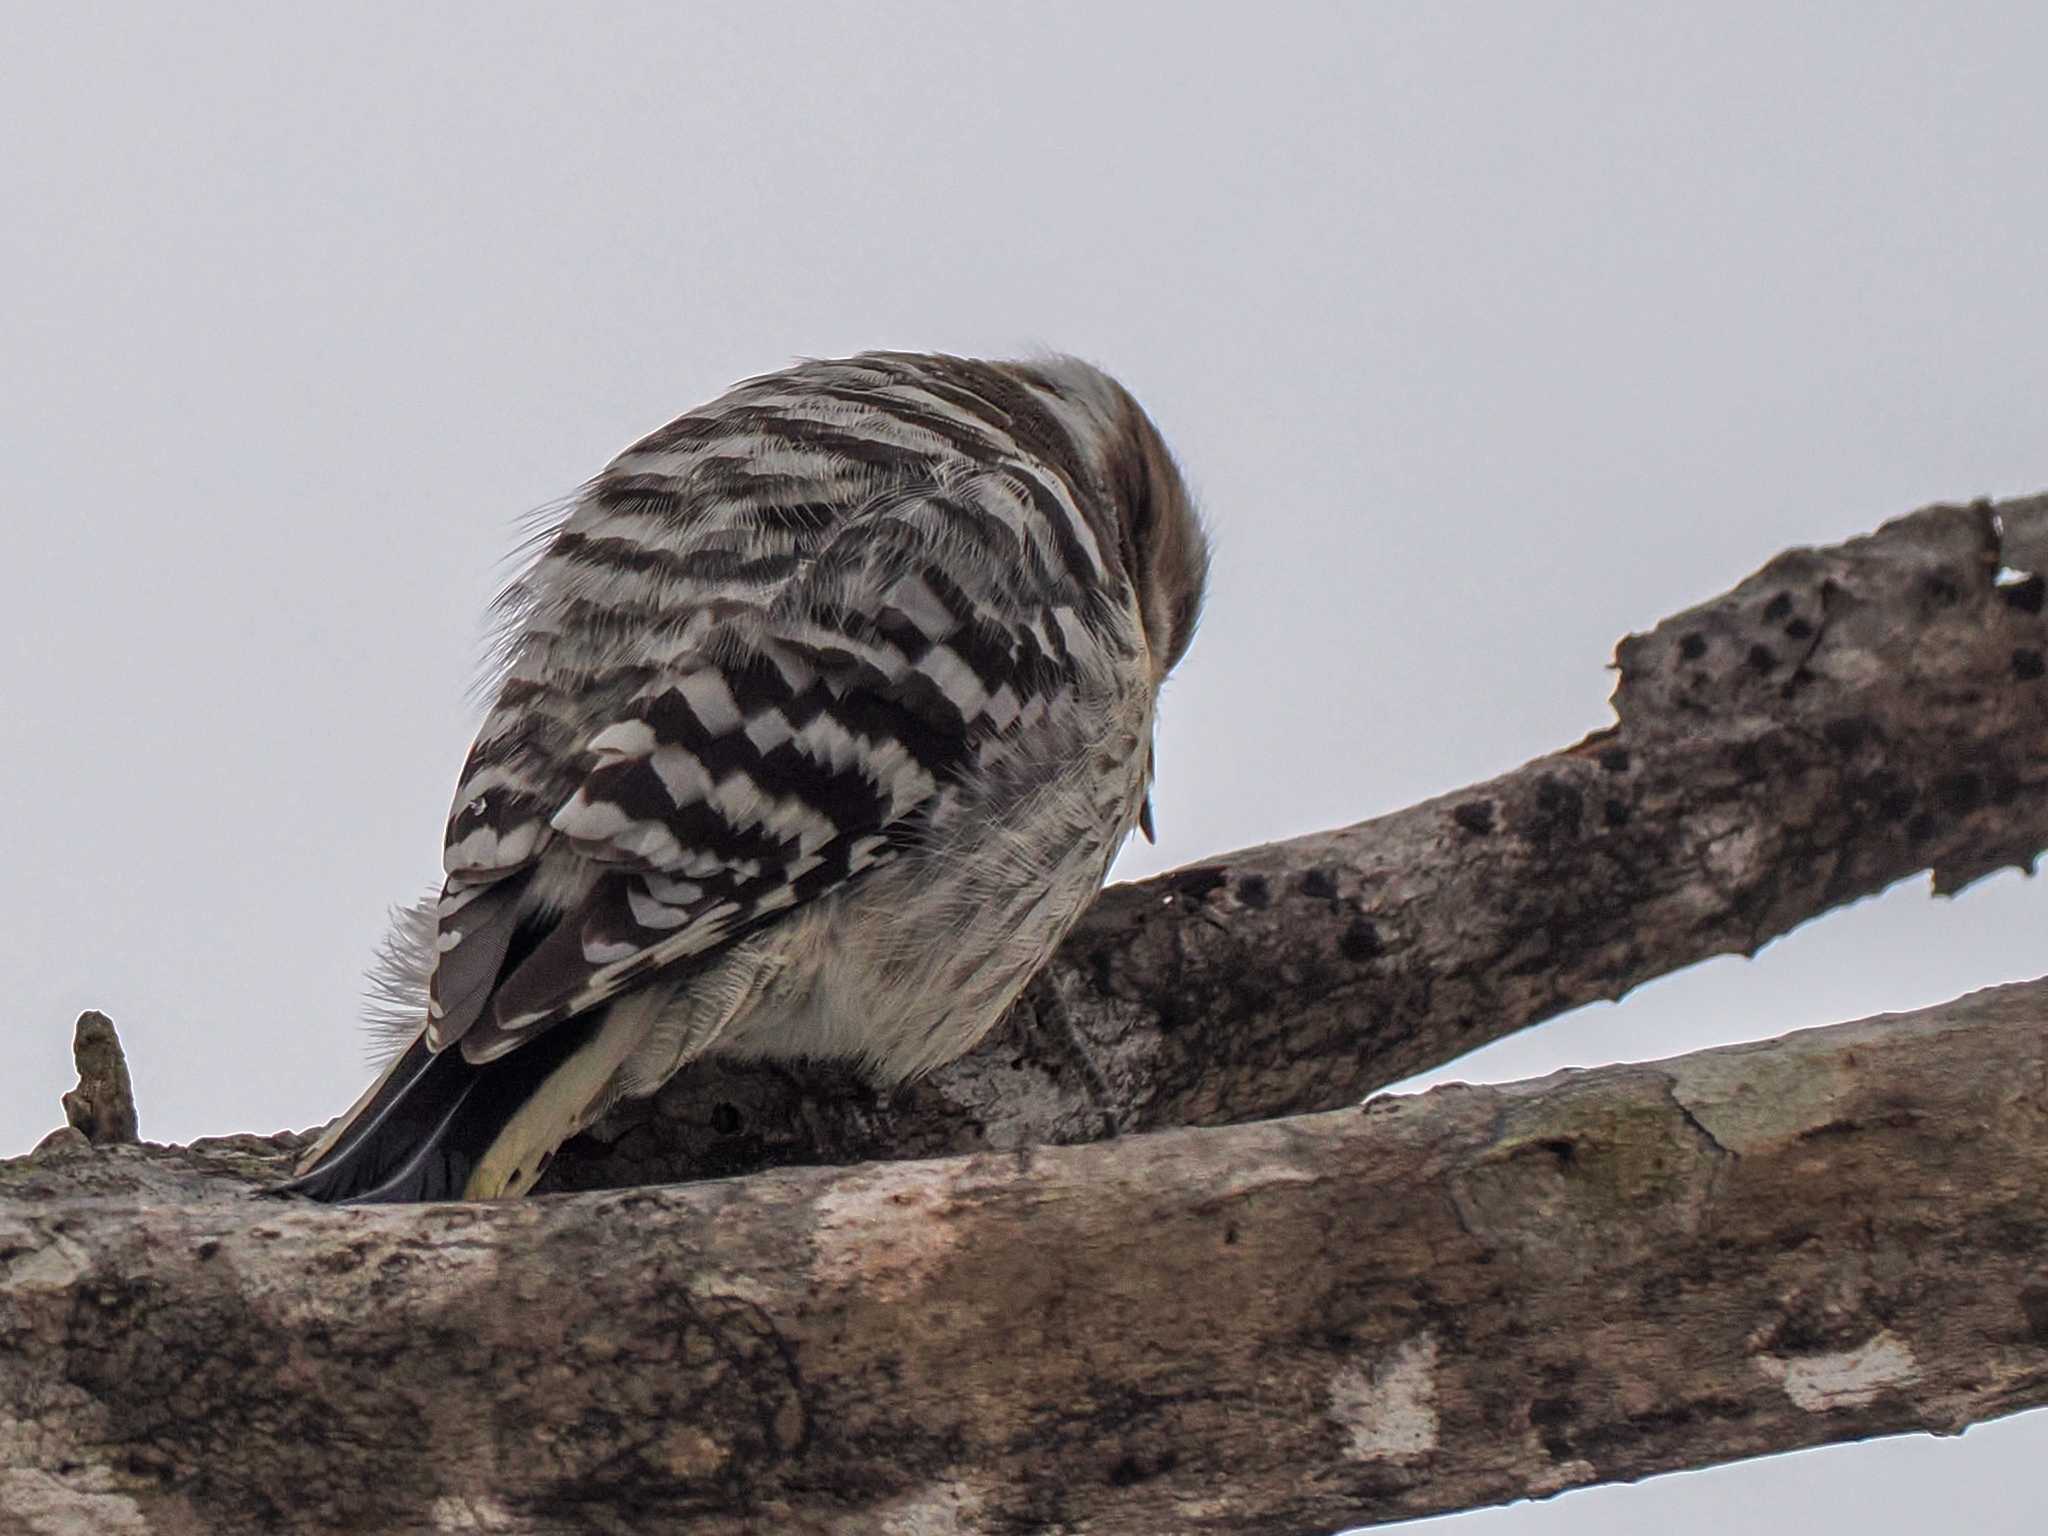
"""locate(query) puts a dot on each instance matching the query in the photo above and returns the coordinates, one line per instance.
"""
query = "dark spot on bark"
(725, 1120)
(1921, 827)
(1475, 816)
(1230, 1237)
(1361, 942)
(1832, 1128)
(1693, 646)
(147, 1464)
(2034, 1302)
(1319, 883)
(2026, 665)
(207, 1249)
(1660, 1290)
(1101, 960)
(1942, 590)
(1556, 812)
(1846, 734)
(1255, 892)
(1549, 1416)
(1169, 1013)
(1616, 812)
(1762, 660)
(2015, 1236)
(1615, 760)
(1960, 792)
(1197, 883)
(1890, 1120)
(1810, 1328)
(1135, 1469)
(1749, 760)
(2025, 595)
(1886, 793)
(1799, 629)
(1778, 607)
(339, 1261)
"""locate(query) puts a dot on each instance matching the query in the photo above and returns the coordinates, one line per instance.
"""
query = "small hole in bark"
(1194, 884)
(1361, 942)
(1762, 659)
(2027, 665)
(725, 1120)
(1693, 646)
(1778, 607)
(1475, 816)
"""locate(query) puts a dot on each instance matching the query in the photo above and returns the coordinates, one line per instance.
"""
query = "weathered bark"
(1426, 1304)
(101, 1109)
(1842, 719)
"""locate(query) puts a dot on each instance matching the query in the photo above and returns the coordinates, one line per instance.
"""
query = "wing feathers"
(756, 651)
(473, 942)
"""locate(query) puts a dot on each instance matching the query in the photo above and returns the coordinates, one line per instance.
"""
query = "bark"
(102, 1107)
(1841, 720)
(1422, 1305)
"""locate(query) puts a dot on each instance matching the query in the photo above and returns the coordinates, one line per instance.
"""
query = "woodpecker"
(819, 718)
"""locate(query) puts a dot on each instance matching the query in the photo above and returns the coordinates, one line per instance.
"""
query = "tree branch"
(1422, 1305)
(1345, 1317)
(1844, 718)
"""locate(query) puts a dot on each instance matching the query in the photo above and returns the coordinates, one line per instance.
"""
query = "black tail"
(422, 1133)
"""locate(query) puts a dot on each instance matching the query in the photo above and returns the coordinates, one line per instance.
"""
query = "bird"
(815, 722)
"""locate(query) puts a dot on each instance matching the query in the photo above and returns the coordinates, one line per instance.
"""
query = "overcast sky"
(1487, 333)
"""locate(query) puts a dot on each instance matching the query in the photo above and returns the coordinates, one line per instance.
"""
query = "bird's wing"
(769, 740)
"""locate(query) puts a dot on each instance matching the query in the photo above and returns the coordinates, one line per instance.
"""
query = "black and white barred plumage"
(824, 712)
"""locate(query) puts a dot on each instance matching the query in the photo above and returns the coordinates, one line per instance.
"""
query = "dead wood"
(1426, 1304)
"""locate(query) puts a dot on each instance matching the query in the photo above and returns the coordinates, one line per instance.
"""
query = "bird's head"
(1159, 538)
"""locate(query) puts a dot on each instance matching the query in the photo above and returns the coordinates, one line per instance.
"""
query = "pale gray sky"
(1488, 333)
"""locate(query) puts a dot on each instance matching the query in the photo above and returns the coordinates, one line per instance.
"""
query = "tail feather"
(438, 1127)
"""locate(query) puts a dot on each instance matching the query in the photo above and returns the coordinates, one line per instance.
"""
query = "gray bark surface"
(1422, 1305)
